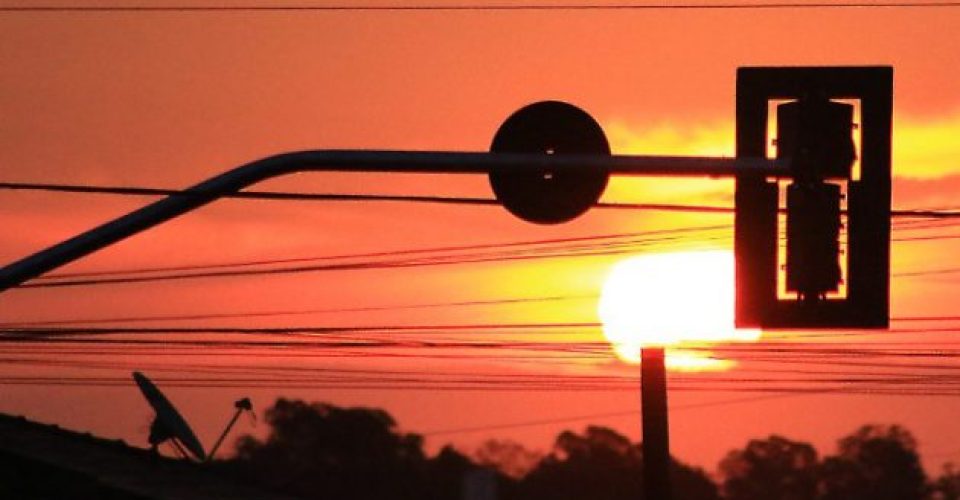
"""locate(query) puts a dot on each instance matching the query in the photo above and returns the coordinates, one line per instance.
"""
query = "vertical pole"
(226, 431)
(656, 437)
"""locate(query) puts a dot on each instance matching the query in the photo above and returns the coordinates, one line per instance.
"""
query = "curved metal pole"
(362, 161)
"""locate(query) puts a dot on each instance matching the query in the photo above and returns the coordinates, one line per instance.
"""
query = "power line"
(248, 195)
(376, 338)
(926, 318)
(447, 200)
(299, 329)
(913, 274)
(660, 234)
(349, 197)
(396, 264)
(581, 246)
(852, 387)
(541, 422)
(292, 312)
(10, 332)
(317, 311)
(577, 418)
(253, 375)
(884, 379)
(587, 246)
(55, 359)
(475, 428)
(479, 7)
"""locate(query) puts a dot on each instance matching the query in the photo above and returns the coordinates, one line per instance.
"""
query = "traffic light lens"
(817, 134)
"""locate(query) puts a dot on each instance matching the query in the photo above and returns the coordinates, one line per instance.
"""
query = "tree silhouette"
(874, 463)
(603, 465)
(775, 468)
(509, 457)
(599, 464)
(446, 473)
(947, 486)
(319, 450)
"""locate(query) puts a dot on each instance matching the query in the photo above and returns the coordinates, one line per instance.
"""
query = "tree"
(691, 482)
(874, 463)
(947, 486)
(448, 470)
(601, 464)
(775, 468)
(320, 450)
(509, 457)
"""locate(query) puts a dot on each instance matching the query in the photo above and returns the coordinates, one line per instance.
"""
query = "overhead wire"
(886, 379)
(235, 367)
(660, 233)
(59, 281)
(580, 351)
(594, 246)
(870, 387)
(594, 416)
(292, 312)
(471, 7)
(941, 376)
(293, 196)
(16, 331)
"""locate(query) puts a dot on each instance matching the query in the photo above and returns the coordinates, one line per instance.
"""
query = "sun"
(671, 299)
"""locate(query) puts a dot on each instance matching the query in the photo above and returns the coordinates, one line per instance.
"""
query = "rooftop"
(47, 460)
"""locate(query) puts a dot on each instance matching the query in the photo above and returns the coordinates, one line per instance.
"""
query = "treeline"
(319, 450)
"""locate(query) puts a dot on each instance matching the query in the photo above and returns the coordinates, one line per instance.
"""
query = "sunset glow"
(671, 299)
(416, 293)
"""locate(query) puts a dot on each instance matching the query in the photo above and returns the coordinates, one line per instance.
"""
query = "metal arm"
(365, 161)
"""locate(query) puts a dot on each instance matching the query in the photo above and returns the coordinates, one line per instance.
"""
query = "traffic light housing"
(828, 280)
(813, 240)
(816, 134)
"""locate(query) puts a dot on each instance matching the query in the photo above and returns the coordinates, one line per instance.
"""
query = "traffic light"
(816, 135)
(824, 284)
(813, 240)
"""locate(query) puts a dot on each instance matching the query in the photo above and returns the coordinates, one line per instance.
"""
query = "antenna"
(241, 405)
(168, 425)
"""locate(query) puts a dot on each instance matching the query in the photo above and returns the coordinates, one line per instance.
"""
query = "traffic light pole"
(656, 434)
(656, 447)
(244, 176)
(532, 182)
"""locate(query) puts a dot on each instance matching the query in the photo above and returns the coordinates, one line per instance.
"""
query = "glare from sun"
(671, 299)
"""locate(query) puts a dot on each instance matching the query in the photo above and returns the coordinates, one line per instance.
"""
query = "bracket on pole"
(544, 174)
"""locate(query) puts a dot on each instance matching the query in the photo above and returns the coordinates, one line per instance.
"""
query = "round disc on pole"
(544, 196)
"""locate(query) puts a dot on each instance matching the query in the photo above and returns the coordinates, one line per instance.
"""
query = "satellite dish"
(542, 196)
(168, 425)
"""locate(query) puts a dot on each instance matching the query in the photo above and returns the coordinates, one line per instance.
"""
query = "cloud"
(926, 149)
(934, 192)
(711, 139)
(925, 159)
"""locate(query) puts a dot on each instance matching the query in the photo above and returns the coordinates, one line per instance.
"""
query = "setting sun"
(670, 299)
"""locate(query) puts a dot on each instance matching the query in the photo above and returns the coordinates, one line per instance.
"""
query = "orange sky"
(168, 99)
